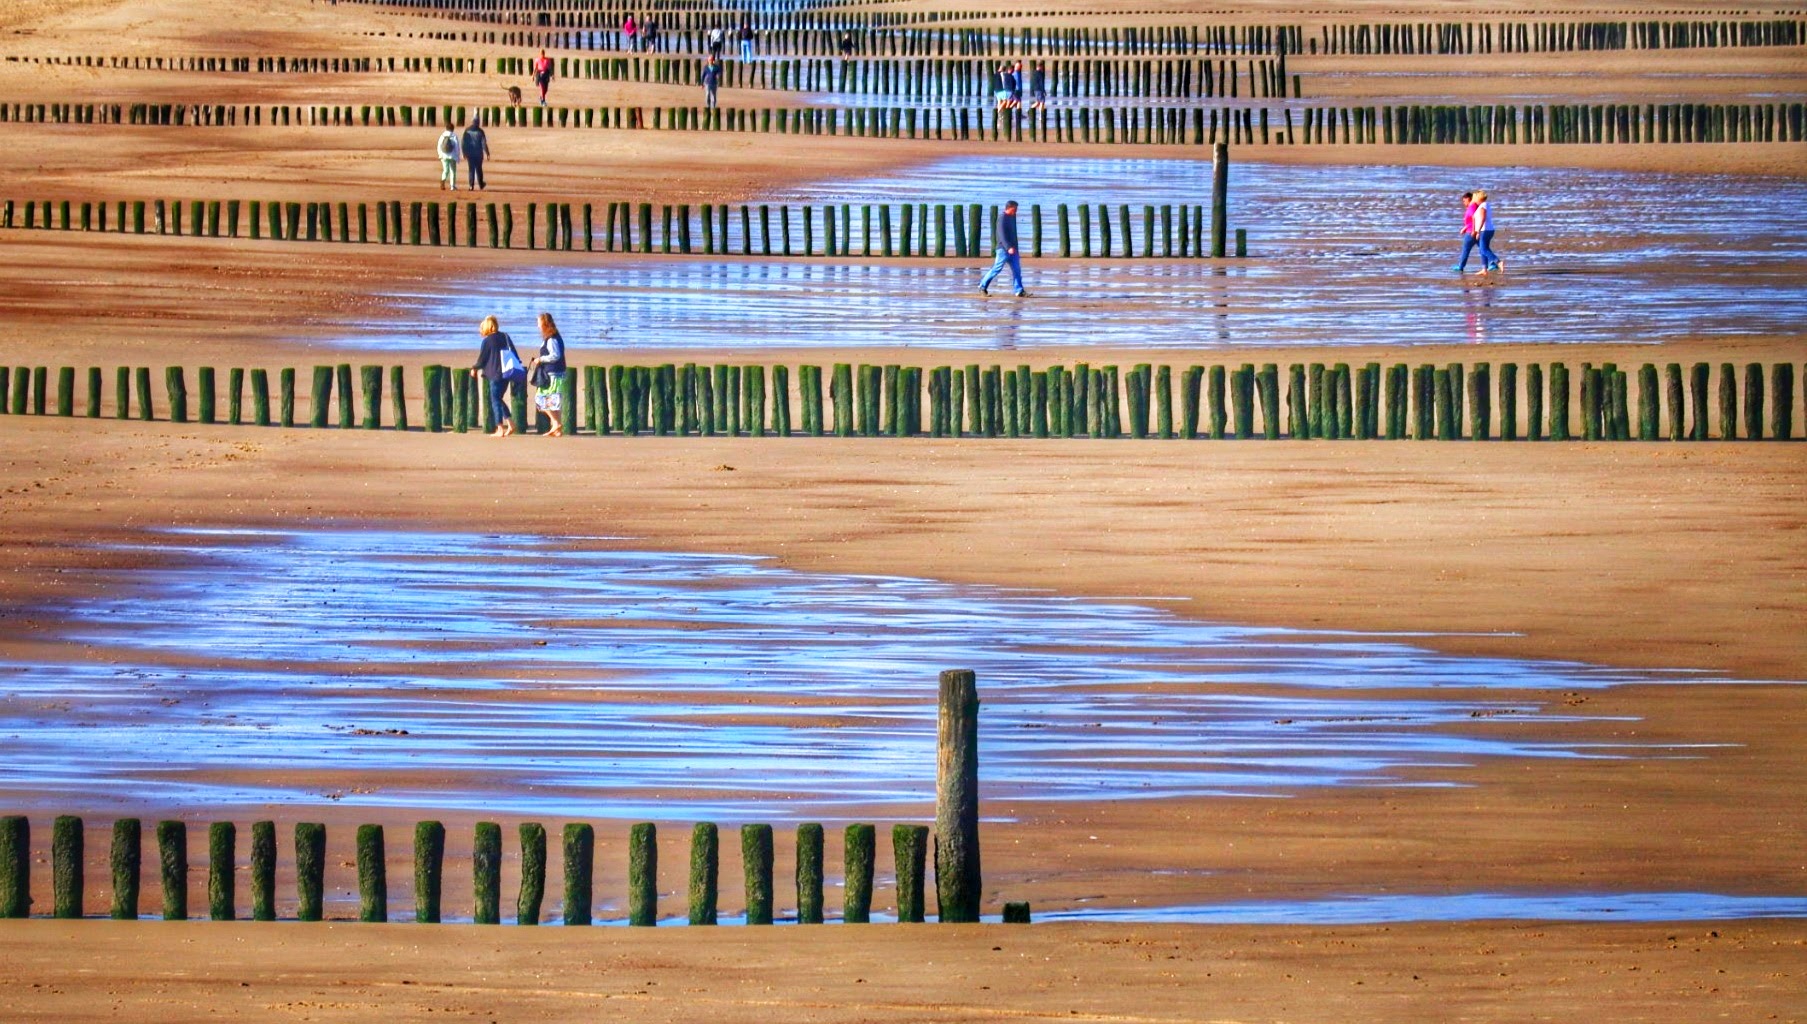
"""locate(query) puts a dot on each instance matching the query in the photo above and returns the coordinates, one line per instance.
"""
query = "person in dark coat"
(1007, 253)
(499, 363)
(476, 150)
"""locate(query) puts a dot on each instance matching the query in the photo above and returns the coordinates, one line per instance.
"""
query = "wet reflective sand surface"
(1341, 256)
(532, 675)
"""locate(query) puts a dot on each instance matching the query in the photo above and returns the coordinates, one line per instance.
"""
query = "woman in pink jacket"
(1468, 239)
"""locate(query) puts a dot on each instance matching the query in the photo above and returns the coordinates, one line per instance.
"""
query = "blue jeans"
(1485, 241)
(1006, 258)
(475, 168)
(1468, 244)
(498, 400)
(746, 49)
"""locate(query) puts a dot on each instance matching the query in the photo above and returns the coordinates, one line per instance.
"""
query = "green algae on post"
(310, 870)
(222, 887)
(66, 875)
(429, 862)
(486, 873)
(705, 872)
(263, 871)
(172, 852)
(580, 865)
(809, 873)
(373, 875)
(125, 859)
(858, 855)
(756, 862)
(909, 850)
(643, 875)
(15, 866)
(533, 870)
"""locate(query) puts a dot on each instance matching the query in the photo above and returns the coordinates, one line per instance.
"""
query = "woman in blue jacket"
(499, 363)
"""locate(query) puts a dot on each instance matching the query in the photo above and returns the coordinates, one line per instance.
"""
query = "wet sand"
(1654, 556)
(1482, 972)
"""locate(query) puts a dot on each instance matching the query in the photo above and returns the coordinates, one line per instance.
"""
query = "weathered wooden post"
(643, 875)
(310, 870)
(756, 860)
(533, 873)
(858, 855)
(66, 863)
(263, 871)
(15, 866)
(957, 875)
(909, 850)
(705, 872)
(172, 852)
(373, 875)
(429, 859)
(809, 873)
(486, 873)
(580, 853)
(1220, 189)
(126, 859)
(222, 888)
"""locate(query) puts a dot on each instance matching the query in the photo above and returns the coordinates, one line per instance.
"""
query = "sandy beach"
(1642, 556)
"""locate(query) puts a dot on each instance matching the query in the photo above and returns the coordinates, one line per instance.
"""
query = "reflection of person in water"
(1475, 303)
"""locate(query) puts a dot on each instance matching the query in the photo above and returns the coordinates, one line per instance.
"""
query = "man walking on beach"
(476, 150)
(1007, 253)
(712, 80)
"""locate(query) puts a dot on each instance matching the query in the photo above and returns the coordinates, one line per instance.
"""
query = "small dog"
(514, 95)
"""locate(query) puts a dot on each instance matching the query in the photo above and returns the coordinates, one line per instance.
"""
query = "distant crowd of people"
(642, 35)
(1007, 86)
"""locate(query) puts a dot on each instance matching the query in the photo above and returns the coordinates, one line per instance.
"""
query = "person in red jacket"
(542, 74)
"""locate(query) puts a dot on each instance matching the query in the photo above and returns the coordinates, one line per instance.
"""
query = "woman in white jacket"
(448, 160)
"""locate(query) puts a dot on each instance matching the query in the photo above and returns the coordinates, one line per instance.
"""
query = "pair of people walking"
(473, 146)
(499, 363)
(1477, 232)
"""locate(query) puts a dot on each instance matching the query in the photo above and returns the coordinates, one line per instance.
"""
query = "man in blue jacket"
(1007, 253)
(476, 150)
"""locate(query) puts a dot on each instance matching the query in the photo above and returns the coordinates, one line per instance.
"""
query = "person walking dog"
(1007, 253)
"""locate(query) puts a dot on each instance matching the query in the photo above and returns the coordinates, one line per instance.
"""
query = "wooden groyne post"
(957, 885)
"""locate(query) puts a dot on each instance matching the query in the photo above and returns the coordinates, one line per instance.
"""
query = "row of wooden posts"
(1457, 401)
(1072, 41)
(1557, 36)
(792, 23)
(909, 845)
(921, 230)
(956, 858)
(1407, 125)
(686, 30)
(924, 78)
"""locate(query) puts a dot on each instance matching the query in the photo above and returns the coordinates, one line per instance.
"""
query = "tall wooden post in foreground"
(1220, 195)
(957, 798)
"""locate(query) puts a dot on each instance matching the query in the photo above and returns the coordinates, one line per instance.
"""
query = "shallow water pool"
(568, 676)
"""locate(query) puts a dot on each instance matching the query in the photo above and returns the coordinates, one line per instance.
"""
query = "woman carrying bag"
(546, 372)
(500, 364)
